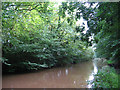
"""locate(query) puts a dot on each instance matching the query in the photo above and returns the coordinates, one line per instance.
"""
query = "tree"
(35, 36)
(103, 22)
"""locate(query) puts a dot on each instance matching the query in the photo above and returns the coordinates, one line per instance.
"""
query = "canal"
(73, 76)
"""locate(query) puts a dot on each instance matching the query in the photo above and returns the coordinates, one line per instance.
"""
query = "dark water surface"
(73, 76)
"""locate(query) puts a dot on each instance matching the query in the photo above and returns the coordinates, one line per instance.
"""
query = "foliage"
(110, 61)
(108, 37)
(38, 37)
(105, 79)
(103, 22)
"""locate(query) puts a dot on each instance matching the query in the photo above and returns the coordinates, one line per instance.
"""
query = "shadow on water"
(73, 76)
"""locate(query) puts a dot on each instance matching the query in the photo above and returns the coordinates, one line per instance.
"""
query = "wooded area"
(38, 35)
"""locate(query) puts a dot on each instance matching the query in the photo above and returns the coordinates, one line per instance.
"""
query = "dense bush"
(108, 38)
(103, 22)
(46, 53)
(107, 78)
(35, 39)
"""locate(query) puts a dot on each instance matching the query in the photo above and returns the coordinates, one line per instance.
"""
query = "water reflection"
(74, 82)
(59, 73)
(95, 68)
(91, 77)
(66, 71)
(74, 76)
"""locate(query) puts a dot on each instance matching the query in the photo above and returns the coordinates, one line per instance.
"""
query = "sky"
(81, 20)
(80, 23)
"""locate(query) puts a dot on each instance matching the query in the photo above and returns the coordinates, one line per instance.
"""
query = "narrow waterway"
(73, 76)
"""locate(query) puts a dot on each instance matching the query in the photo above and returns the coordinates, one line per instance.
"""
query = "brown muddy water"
(73, 76)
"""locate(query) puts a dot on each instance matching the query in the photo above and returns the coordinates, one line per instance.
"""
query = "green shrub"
(105, 79)
(37, 38)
